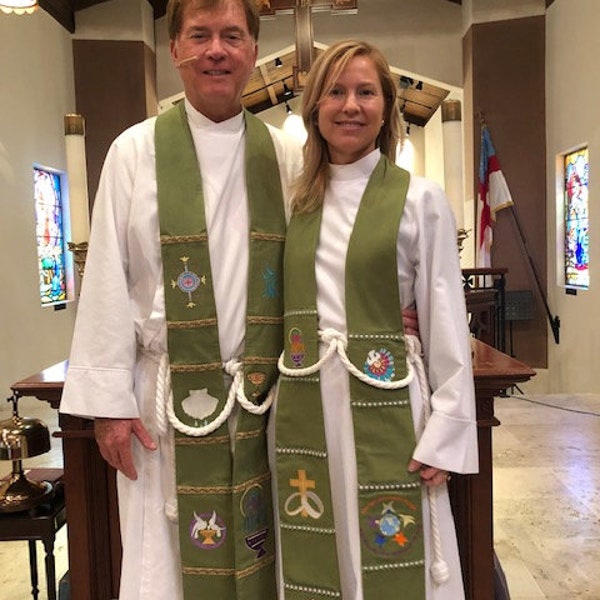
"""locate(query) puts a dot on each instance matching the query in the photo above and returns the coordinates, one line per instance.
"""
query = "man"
(182, 291)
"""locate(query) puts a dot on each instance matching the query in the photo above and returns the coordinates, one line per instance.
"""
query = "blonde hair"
(176, 8)
(311, 184)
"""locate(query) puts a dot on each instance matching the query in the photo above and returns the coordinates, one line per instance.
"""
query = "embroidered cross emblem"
(188, 282)
(310, 505)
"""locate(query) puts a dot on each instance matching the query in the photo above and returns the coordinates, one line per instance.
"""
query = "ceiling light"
(287, 93)
(19, 7)
(294, 127)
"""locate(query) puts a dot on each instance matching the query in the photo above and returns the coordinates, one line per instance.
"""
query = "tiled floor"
(547, 497)
(546, 500)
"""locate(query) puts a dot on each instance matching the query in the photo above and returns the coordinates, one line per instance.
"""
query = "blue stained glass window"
(50, 236)
(577, 252)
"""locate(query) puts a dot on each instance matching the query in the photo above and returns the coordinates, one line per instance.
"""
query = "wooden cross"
(302, 11)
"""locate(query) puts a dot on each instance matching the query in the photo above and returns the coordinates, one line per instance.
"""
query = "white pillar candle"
(77, 173)
(453, 158)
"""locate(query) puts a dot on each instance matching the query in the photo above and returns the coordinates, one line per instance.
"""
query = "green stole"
(389, 498)
(224, 497)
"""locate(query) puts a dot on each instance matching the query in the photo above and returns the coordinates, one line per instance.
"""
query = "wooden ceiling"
(269, 84)
(272, 83)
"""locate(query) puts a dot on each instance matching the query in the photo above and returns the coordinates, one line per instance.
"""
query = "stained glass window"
(577, 257)
(50, 236)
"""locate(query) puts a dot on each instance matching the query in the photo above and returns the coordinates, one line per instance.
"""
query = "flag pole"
(554, 320)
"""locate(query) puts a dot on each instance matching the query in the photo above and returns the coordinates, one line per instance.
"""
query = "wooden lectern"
(90, 491)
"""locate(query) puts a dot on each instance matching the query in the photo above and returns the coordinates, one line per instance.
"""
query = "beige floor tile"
(546, 497)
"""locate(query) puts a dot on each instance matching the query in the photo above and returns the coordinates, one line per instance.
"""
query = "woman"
(362, 452)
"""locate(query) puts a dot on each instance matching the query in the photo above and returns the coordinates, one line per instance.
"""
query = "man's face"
(221, 54)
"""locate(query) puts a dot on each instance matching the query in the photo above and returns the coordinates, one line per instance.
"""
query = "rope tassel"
(440, 572)
(165, 414)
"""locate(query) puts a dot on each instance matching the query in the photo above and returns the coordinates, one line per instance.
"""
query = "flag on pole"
(494, 195)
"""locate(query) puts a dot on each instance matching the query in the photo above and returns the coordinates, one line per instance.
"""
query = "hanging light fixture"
(405, 82)
(288, 94)
(19, 7)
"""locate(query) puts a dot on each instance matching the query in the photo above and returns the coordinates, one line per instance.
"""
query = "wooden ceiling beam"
(62, 11)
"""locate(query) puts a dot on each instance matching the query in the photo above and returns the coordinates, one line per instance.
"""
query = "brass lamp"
(22, 437)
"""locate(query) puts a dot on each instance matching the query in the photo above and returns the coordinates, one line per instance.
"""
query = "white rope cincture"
(165, 414)
(163, 387)
(164, 401)
(337, 342)
(235, 368)
(439, 567)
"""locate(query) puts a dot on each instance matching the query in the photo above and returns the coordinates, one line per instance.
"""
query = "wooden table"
(471, 495)
(93, 529)
(90, 495)
(39, 523)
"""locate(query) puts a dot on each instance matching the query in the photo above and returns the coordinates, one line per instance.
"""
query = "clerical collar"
(356, 170)
(197, 119)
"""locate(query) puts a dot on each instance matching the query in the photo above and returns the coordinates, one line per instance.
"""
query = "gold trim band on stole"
(223, 489)
(228, 572)
(201, 441)
(260, 360)
(183, 239)
(221, 439)
(264, 320)
(196, 368)
(268, 237)
(194, 324)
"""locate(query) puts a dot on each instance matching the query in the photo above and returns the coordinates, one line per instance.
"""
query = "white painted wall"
(572, 101)
(36, 65)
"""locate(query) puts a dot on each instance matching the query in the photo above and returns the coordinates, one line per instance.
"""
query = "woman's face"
(350, 116)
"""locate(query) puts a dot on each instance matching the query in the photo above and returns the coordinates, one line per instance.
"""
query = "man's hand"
(430, 476)
(410, 321)
(114, 438)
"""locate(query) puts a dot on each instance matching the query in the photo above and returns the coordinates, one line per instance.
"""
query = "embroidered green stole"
(224, 497)
(389, 498)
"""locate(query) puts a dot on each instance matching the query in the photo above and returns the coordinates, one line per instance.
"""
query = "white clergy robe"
(429, 277)
(120, 331)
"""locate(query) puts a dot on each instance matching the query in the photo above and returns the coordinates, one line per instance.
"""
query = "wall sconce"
(419, 85)
(288, 109)
(78, 193)
(21, 437)
(278, 63)
(19, 7)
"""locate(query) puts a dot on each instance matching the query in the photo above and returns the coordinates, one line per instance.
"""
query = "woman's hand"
(430, 476)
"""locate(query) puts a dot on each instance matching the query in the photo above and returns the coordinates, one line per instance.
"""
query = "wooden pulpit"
(90, 490)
